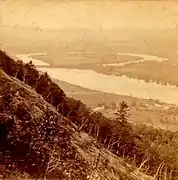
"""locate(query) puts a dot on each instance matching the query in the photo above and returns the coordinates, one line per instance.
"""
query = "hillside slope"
(36, 141)
(153, 150)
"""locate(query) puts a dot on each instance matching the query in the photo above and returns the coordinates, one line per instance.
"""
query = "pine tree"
(31, 75)
(123, 112)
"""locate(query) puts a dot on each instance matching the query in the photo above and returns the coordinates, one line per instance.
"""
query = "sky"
(106, 14)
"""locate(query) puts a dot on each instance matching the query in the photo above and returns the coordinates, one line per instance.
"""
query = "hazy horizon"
(89, 14)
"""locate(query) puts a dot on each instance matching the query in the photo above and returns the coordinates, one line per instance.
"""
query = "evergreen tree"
(123, 112)
(20, 71)
(31, 74)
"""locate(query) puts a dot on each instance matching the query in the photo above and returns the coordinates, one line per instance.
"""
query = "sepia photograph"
(89, 89)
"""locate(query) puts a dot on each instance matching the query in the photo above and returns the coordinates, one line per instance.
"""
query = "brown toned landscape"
(103, 55)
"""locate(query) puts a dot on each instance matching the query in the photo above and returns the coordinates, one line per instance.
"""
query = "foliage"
(153, 150)
(27, 142)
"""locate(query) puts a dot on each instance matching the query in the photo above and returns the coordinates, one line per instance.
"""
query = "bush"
(152, 149)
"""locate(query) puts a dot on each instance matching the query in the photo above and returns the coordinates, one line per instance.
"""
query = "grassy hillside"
(153, 151)
(37, 142)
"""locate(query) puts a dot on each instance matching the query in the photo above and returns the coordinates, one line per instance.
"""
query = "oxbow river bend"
(119, 85)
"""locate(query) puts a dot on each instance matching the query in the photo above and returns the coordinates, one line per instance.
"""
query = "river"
(119, 85)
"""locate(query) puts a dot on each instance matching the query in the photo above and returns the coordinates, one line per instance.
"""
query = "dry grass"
(102, 164)
(105, 164)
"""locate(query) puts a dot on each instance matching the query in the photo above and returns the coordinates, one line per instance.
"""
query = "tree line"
(153, 150)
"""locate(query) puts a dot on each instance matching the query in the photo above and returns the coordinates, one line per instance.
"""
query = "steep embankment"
(32, 131)
(154, 151)
(36, 141)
